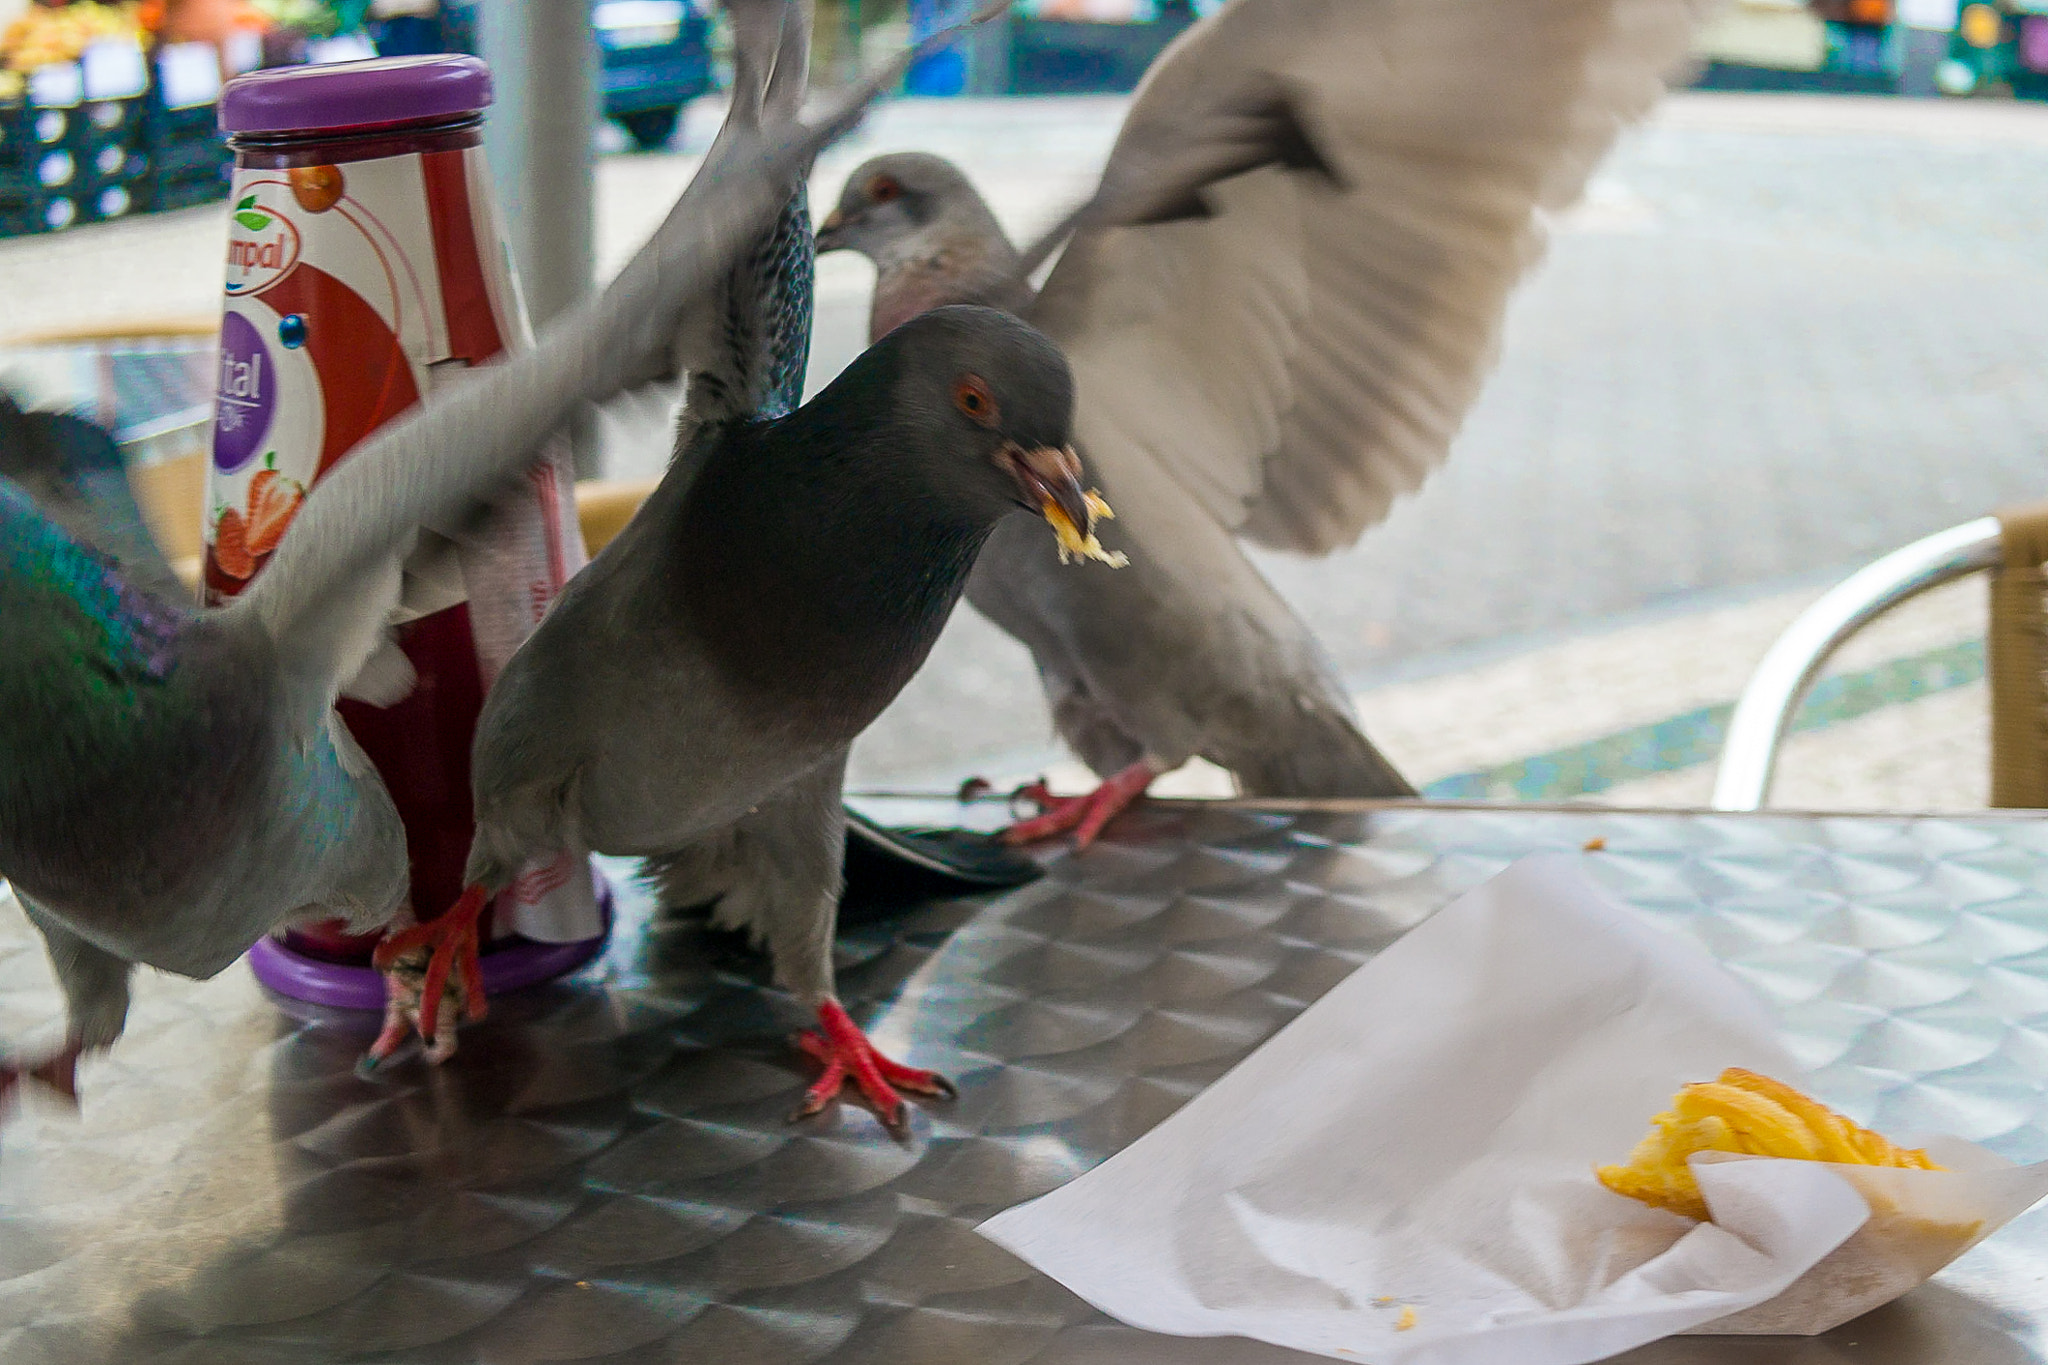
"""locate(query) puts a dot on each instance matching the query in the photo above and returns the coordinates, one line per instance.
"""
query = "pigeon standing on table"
(691, 697)
(174, 783)
(1279, 304)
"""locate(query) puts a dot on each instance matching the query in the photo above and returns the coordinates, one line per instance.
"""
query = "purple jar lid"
(344, 95)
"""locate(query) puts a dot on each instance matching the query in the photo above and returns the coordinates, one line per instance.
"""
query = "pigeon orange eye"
(972, 397)
(882, 189)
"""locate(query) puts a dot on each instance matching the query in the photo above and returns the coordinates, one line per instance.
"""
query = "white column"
(540, 138)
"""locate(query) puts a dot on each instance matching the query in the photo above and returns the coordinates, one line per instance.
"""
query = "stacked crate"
(39, 186)
(107, 131)
(189, 159)
(71, 143)
(116, 132)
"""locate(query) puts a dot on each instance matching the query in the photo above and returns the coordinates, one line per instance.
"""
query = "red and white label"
(354, 291)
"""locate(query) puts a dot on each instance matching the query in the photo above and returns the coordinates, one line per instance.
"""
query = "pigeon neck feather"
(816, 566)
(950, 263)
(122, 719)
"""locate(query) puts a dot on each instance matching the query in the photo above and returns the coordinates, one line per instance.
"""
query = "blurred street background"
(1784, 333)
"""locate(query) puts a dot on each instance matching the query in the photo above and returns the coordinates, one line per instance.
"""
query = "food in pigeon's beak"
(1077, 541)
(1049, 483)
(1748, 1113)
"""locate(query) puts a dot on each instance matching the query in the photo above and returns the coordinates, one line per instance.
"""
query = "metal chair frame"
(1749, 757)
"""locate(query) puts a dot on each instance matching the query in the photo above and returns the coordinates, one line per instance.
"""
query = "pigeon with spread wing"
(1279, 304)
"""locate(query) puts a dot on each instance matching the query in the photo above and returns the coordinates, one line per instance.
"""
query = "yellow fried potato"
(1078, 542)
(1743, 1112)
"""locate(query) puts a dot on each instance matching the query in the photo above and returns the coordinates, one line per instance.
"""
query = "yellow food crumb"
(1748, 1113)
(1384, 1299)
(1595, 846)
(1407, 1319)
(1077, 543)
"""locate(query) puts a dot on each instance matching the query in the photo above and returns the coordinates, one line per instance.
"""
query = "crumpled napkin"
(1404, 1173)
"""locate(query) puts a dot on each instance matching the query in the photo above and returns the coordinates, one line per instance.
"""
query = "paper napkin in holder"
(1403, 1175)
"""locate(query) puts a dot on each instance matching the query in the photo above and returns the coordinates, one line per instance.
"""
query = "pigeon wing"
(1289, 285)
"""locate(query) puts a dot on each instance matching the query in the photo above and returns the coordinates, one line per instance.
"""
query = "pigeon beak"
(1048, 479)
(827, 236)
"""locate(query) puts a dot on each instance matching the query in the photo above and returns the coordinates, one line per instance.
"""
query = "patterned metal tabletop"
(604, 1172)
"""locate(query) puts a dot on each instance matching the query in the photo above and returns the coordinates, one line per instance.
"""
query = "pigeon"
(746, 363)
(1280, 301)
(174, 782)
(690, 699)
(72, 469)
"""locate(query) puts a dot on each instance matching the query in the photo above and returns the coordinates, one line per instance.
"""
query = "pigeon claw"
(1084, 815)
(417, 994)
(848, 1055)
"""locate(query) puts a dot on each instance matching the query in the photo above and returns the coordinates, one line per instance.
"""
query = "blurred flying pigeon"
(174, 783)
(1279, 304)
(72, 470)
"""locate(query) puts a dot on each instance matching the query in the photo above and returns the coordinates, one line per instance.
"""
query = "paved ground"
(1783, 335)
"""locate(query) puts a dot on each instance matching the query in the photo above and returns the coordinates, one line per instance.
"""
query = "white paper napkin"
(1404, 1173)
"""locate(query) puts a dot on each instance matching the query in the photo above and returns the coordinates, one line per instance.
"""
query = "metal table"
(604, 1173)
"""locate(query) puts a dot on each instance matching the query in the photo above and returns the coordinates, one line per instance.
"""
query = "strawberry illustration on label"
(231, 546)
(317, 188)
(273, 502)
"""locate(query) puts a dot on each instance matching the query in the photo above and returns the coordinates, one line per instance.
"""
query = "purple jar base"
(520, 963)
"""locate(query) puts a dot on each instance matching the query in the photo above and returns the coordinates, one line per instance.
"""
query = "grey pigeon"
(691, 697)
(174, 782)
(552, 776)
(1279, 303)
(73, 471)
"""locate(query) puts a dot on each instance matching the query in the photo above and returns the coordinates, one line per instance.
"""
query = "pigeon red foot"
(431, 975)
(58, 1071)
(1084, 815)
(849, 1056)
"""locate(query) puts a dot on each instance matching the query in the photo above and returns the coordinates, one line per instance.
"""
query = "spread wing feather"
(1320, 207)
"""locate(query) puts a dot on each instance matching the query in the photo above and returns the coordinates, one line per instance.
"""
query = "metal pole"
(540, 138)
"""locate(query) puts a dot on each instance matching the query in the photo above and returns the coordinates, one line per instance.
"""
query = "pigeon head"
(892, 202)
(988, 403)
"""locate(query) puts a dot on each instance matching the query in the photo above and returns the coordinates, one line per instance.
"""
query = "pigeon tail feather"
(1322, 754)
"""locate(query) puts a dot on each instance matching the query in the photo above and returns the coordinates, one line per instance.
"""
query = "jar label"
(352, 292)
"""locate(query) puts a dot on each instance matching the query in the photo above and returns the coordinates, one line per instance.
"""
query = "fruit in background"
(273, 502)
(45, 37)
(231, 546)
(315, 18)
(317, 188)
(201, 21)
